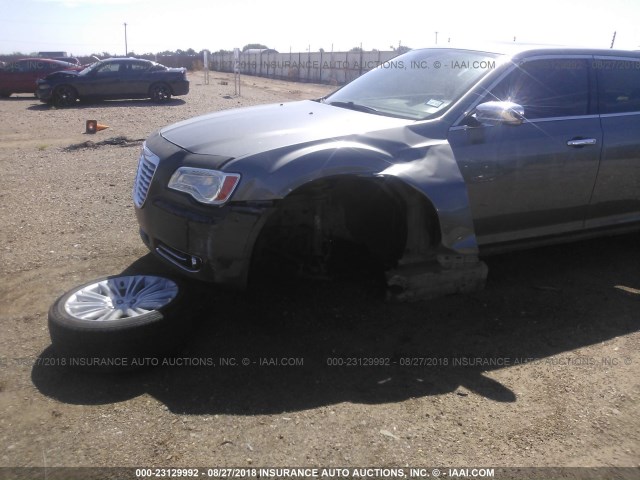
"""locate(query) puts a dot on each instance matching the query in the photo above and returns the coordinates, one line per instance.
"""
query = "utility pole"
(613, 40)
(436, 38)
(126, 49)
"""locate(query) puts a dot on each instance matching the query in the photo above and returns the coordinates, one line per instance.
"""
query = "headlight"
(206, 186)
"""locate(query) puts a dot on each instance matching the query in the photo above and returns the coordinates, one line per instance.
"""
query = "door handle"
(581, 142)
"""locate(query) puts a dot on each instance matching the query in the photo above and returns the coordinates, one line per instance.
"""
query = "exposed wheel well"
(345, 223)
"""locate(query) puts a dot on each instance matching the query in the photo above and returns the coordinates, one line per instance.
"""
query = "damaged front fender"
(436, 175)
(426, 165)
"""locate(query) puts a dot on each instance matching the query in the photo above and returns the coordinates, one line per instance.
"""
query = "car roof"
(516, 50)
(39, 59)
(125, 59)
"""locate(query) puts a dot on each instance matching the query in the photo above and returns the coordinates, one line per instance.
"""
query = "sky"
(83, 27)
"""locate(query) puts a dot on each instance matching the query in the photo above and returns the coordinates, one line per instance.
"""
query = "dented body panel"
(307, 146)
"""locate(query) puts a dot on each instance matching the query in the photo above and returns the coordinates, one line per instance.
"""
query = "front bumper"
(180, 87)
(204, 242)
(43, 92)
(213, 244)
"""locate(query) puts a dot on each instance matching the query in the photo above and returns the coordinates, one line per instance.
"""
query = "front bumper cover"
(215, 246)
(211, 243)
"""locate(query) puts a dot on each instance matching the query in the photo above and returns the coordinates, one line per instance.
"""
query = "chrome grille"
(147, 165)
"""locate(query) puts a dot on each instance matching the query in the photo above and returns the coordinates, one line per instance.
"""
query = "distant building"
(52, 54)
(258, 51)
(62, 56)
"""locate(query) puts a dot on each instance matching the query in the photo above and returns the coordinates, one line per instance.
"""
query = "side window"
(618, 85)
(139, 67)
(108, 69)
(548, 88)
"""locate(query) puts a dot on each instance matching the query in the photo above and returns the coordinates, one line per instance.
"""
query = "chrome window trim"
(537, 120)
(621, 114)
(554, 119)
(634, 58)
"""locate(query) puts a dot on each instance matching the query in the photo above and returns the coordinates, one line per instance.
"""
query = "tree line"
(191, 52)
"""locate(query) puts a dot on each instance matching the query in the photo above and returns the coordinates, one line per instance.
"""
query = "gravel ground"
(555, 334)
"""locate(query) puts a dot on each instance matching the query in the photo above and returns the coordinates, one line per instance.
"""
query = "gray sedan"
(433, 158)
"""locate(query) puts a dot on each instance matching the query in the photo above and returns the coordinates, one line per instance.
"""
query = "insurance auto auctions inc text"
(364, 64)
(364, 473)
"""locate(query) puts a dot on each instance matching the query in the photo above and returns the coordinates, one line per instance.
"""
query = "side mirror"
(496, 113)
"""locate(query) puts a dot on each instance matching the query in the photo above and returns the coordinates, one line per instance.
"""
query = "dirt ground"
(539, 369)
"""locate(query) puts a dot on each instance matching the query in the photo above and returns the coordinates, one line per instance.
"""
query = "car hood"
(62, 74)
(247, 131)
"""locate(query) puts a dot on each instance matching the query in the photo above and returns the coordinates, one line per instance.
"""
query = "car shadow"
(173, 102)
(290, 346)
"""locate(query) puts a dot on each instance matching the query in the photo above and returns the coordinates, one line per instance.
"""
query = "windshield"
(418, 85)
(89, 68)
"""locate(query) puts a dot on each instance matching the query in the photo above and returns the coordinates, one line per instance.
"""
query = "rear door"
(30, 70)
(616, 196)
(9, 77)
(133, 76)
(536, 178)
(21, 76)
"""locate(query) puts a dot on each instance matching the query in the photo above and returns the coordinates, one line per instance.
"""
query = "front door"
(536, 178)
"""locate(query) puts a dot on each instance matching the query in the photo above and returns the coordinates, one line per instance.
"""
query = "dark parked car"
(114, 78)
(439, 153)
(20, 76)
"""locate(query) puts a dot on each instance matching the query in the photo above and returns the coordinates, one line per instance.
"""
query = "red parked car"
(20, 76)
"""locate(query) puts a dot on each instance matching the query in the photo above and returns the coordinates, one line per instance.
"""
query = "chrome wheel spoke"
(88, 296)
(90, 312)
(110, 315)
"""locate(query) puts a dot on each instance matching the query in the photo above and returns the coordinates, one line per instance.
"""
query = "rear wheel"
(160, 92)
(64, 96)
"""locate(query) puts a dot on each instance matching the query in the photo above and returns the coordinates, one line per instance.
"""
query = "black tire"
(64, 96)
(160, 92)
(140, 340)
